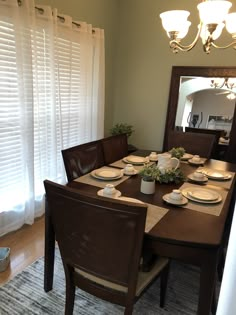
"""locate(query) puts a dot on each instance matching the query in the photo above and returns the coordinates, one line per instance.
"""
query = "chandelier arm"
(224, 47)
(175, 44)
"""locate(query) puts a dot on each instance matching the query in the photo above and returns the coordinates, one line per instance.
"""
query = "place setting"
(175, 198)
(135, 160)
(107, 174)
(202, 195)
(216, 175)
(109, 191)
(129, 170)
(196, 160)
(198, 177)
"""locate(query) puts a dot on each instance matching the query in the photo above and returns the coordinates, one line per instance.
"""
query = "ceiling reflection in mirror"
(206, 102)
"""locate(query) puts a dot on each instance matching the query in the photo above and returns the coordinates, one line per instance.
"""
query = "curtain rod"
(41, 11)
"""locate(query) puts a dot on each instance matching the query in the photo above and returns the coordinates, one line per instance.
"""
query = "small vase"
(147, 187)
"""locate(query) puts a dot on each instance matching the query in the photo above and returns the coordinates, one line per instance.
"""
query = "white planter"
(147, 187)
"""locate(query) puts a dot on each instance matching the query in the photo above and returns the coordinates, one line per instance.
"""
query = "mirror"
(178, 115)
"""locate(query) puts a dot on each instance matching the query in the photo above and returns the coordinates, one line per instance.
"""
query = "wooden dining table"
(183, 234)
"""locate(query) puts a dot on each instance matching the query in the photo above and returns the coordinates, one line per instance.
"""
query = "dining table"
(193, 233)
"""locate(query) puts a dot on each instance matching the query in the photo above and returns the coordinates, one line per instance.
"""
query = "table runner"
(154, 215)
(221, 183)
(121, 164)
(88, 179)
(213, 209)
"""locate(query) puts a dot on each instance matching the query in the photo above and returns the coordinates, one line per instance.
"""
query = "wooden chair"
(82, 159)
(100, 242)
(114, 148)
(194, 143)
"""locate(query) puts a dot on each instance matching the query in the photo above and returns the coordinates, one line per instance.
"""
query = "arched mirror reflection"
(206, 103)
(203, 98)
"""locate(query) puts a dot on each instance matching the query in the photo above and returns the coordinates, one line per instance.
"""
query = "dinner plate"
(130, 199)
(135, 172)
(169, 200)
(206, 197)
(196, 162)
(106, 175)
(115, 195)
(197, 180)
(217, 175)
(133, 159)
(186, 157)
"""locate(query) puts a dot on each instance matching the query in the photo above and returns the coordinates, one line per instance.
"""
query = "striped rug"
(24, 294)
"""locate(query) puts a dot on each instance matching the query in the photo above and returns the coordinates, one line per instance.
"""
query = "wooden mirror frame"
(177, 73)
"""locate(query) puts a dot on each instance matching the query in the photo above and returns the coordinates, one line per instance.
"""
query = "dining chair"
(101, 242)
(82, 159)
(115, 148)
(194, 143)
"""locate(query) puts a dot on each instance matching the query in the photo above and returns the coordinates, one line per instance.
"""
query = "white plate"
(135, 172)
(186, 156)
(203, 194)
(93, 173)
(133, 159)
(195, 162)
(181, 202)
(130, 199)
(188, 193)
(218, 175)
(115, 195)
(107, 173)
(204, 180)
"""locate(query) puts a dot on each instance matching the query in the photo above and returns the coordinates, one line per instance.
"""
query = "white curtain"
(51, 98)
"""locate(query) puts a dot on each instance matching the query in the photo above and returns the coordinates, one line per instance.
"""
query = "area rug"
(24, 294)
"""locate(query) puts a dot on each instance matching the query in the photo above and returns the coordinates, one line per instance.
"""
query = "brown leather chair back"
(115, 148)
(100, 237)
(194, 143)
(82, 159)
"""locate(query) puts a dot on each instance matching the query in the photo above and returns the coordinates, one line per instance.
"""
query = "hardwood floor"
(26, 244)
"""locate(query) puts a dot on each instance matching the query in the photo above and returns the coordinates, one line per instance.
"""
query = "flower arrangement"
(177, 152)
(148, 172)
(151, 172)
(170, 176)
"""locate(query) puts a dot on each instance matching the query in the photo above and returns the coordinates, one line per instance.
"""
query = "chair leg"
(164, 280)
(70, 290)
(128, 309)
(213, 303)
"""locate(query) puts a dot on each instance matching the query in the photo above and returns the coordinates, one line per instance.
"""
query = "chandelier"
(214, 17)
(227, 83)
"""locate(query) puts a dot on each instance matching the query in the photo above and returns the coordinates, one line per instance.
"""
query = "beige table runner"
(213, 209)
(154, 215)
(90, 180)
(121, 164)
(221, 183)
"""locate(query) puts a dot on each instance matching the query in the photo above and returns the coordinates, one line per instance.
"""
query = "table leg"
(49, 251)
(207, 286)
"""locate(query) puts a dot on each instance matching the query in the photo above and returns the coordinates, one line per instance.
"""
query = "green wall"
(139, 61)
(143, 66)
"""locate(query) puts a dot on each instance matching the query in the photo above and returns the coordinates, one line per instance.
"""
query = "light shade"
(176, 21)
(213, 12)
(216, 34)
(231, 23)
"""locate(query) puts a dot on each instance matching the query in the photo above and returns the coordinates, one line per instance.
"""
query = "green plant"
(122, 128)
(170, 176)
(148, 172)
(177, 152)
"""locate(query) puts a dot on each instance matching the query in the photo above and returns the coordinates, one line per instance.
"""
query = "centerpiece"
(148, 174)
(177, 152)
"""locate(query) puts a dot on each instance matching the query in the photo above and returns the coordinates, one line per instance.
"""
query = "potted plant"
(148, 174)
(120, 128)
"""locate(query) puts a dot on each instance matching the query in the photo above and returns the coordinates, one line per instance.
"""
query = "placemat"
(121, 164)
(88, 179)
(213, 209)
(221, 183)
